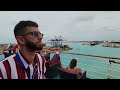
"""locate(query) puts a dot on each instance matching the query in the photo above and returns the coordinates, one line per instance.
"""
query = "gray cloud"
(72, 25)
(83, 18)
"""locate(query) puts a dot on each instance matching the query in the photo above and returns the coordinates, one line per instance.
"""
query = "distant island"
(105, 43)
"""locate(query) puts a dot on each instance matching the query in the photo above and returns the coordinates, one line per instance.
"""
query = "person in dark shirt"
(47, 58)
(10, 52)
(55, 59)
(6, 53)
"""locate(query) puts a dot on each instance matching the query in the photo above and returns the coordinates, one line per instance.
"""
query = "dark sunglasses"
(34, 34)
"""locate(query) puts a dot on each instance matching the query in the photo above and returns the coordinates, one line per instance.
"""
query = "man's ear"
(20, 39)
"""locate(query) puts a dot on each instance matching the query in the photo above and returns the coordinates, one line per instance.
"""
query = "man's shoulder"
(77, 68)
(42, 57)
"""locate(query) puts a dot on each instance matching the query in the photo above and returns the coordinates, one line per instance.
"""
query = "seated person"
(6, 53)
(73, 67)
(10, 52)
(55, 59)
(47, 58)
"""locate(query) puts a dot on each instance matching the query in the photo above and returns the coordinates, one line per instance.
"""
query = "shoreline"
(54, 49)
(45, 49)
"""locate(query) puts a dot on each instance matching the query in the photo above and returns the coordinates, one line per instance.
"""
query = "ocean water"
(97, 68)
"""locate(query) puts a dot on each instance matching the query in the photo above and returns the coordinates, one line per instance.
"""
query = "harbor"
(89, 37)
(94, 59)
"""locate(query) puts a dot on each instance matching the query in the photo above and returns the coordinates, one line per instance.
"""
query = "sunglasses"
(35, 34)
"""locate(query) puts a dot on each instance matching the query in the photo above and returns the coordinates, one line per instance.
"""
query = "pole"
(110, 70)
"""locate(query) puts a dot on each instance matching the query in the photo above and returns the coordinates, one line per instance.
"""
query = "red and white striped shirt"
(10, 68)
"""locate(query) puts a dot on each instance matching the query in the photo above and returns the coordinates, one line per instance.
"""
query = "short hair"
(21, 26)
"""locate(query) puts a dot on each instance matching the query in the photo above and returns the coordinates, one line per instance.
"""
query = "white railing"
(93, 71)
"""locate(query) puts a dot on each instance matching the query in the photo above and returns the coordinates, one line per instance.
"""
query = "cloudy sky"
(71, 25)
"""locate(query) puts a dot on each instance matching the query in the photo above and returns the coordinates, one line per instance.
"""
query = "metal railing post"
(109, 70)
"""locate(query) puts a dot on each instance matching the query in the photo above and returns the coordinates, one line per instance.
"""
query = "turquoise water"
(2, 57)
(97, 68)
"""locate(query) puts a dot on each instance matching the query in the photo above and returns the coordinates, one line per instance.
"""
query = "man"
(25, 63)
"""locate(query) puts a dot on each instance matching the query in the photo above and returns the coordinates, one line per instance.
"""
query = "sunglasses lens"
(35, 33)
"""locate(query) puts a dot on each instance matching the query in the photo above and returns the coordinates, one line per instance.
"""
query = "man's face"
(33, 46)
(33, 38)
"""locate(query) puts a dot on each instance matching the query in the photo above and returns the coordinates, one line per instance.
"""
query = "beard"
(33, 46)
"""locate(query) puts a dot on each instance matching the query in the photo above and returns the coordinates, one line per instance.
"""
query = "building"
(56, 41)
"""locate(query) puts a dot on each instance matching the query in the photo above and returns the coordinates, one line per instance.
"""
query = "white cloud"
(72, 25)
